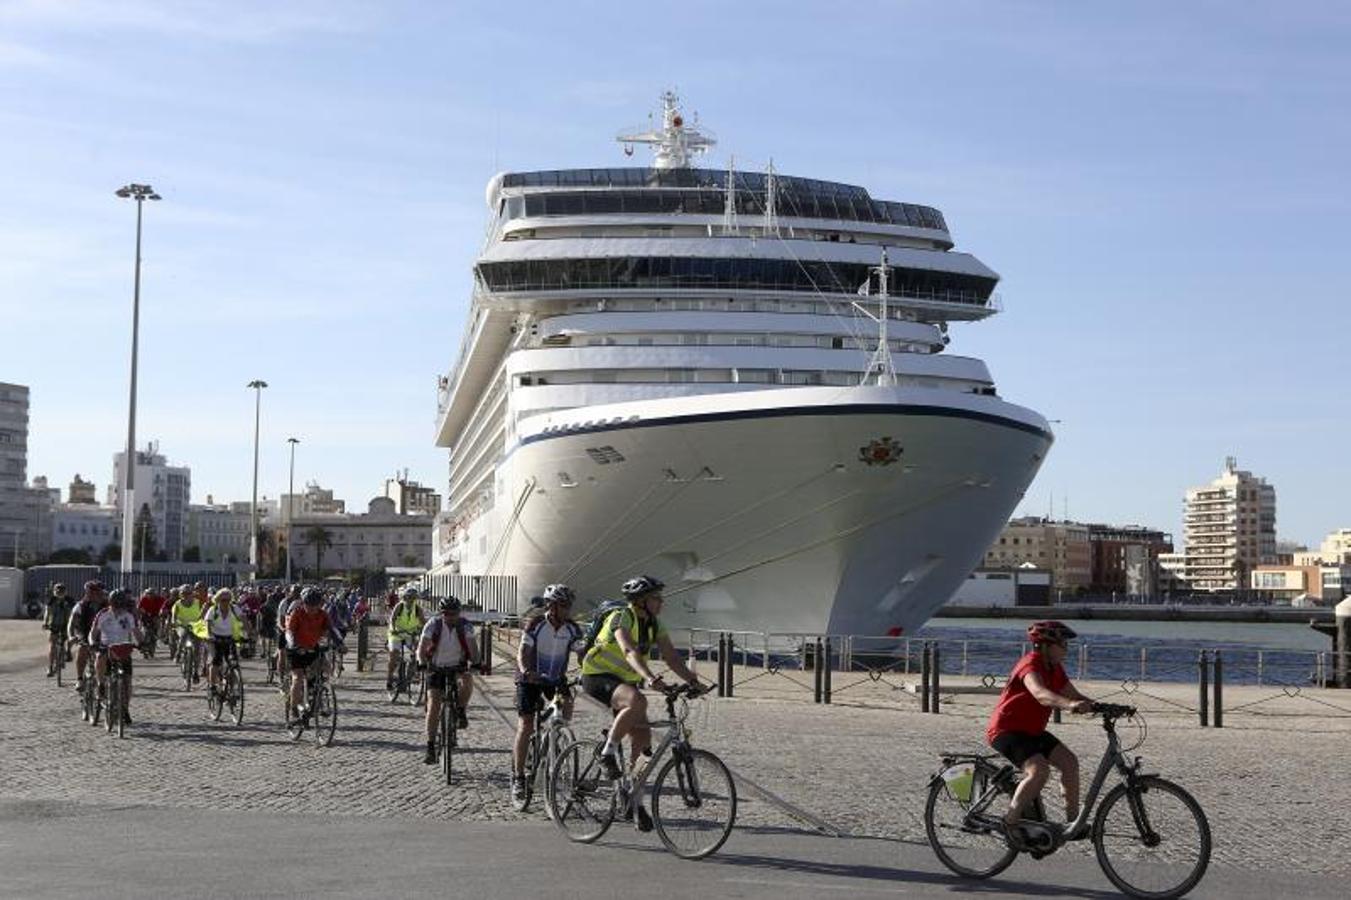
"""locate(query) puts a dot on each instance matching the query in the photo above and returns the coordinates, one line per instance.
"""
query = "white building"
(220, 532)
(376, 539)
(25, 511)
(1230, 527)
(85, 526)
(316, 501)
(1336, 549)
(165, 490)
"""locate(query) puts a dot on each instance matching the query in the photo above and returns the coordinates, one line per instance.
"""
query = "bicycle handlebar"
(1113, 710)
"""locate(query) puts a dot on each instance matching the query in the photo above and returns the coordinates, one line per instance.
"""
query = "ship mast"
(881, 365)
(676, 143)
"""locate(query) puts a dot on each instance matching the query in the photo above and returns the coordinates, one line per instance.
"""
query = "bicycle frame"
(674, 726)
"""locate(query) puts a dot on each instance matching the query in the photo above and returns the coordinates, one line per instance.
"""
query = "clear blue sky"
(1162, 186)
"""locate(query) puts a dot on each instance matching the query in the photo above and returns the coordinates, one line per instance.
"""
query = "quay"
(860, 764)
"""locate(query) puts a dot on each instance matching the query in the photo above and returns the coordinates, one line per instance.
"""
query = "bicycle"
(170, 640)
(187, 660)
(150, 639)
(110, 695)
(550, 735)
(321, 712)
(269, 650)
(693, 793)
(1147, 829)
(407, 675)
(231, 695)
(59, 648)
(89, 696)
(447, 728)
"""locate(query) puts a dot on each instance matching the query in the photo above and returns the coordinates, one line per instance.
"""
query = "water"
(1253, 653)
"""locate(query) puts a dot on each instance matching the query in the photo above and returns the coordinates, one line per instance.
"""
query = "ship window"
(837, 343)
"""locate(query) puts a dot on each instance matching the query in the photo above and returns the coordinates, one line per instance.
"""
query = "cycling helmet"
(450, 604)
(411, 593)
(119, 599)
(1050, 631)
(311, 596)
(558, 593)
(94, 587)
(58, 588)
(223, 594)
(643, 584)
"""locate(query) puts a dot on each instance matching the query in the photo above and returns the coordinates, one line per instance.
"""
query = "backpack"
(603, 614)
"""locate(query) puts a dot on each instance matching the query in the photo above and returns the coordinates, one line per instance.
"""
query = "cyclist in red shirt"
(1017, 726)
(307, 629)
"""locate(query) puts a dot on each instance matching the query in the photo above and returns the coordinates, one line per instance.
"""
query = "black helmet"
(1050, 631)
(450, 604)
(558, 593)
(643, 584)
(410, 593)
(311, 596)
(119, 599)
(94, 587)
(58, 588)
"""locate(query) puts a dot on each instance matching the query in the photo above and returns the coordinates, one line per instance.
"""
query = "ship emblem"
(881, 452)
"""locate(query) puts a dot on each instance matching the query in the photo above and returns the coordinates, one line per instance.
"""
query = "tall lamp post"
(140, 193)
(290, 507)
(257, 385)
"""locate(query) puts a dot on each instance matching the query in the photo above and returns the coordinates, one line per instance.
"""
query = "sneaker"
(517, 789)
(126, 717)
(50, 672)
(461, 720)
(611, 764)
(430, 758)
(643, 820)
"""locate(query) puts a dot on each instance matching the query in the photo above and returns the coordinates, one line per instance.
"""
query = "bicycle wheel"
(88, 700)
(418, 680)
(295, 725)
(583, 797)
(187, 658)
(449, 738)
(121, 707)
(113, 712)
(532, 767)
(400, 682)
(553, 744)
(325, 715)
(215, 702)
(234, 695)
(60, 662)
(1152, 839)
(693, 803)
(970, 850)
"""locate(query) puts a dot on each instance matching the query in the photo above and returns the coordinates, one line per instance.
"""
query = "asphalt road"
(52, 849)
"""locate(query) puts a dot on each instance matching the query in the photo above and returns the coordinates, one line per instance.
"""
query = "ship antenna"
(729, 219)
(676, 143)
(771, 200)
(881, 364)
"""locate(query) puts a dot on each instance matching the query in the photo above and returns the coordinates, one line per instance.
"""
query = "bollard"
(816, 672)
(722, 664)
(1219, 691)
(486, 648)
(934, 669)
(731, 655)
(1203, 673)
(363, 645)
(826, 670)
(924, 677)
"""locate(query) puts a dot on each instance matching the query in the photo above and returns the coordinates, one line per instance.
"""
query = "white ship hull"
(758, 509)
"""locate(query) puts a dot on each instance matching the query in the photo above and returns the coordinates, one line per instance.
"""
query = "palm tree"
(320, 539)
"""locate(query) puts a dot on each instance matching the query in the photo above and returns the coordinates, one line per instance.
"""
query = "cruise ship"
(737, 381)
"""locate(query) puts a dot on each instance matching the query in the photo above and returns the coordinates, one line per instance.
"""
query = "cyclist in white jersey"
(115, 633)
(547, 641)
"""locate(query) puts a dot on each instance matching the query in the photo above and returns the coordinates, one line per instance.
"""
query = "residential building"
(220, 532)
(316, 501)
(1125, 559)
(1230, 527)
(1062, 547)
(1336, 548)
(374, 540)
(81, 491)
(25, 510)
(1171, 567)
(85, 526)
(411, 498)
(1318, 584)
(165, 490)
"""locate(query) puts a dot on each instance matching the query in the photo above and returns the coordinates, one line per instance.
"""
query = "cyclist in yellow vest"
(186, 615)
(615, 669)
(405, 627)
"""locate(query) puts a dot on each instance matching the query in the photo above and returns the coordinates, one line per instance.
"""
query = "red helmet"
(1050, 631)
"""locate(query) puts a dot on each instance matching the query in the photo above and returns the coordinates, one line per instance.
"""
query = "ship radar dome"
(494, 189)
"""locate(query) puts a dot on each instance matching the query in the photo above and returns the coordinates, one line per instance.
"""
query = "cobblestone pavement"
(1269, 790)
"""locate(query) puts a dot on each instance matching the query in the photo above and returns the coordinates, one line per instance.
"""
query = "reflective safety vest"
(606, 657)
(185, 614)
(406, 620)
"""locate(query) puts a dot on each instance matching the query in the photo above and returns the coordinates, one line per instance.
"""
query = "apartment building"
(1062, 547)
(1230, 530)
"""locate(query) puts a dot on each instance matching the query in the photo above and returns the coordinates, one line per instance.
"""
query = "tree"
(320, 539)
(71, 556)
(143, 538)
(192, 554)
(109, 553)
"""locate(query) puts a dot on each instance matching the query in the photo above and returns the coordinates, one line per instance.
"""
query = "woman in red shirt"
(1017, 726)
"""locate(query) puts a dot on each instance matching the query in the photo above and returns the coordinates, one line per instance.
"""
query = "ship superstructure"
(735, 380)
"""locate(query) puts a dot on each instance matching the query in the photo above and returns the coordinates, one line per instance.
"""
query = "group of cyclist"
(613, 658)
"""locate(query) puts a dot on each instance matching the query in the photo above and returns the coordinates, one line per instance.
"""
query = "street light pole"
(257, 385)
(290, 507)
(140, 193)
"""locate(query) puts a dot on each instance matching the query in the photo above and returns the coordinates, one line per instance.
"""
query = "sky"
(1162, 187)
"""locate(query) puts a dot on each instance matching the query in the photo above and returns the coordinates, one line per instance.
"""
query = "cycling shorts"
(602, 687)
(301, 659)
(530, 696)
(396, 641)
(438, 678)
(220, 649)
(1018, 747)
(119, 656)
